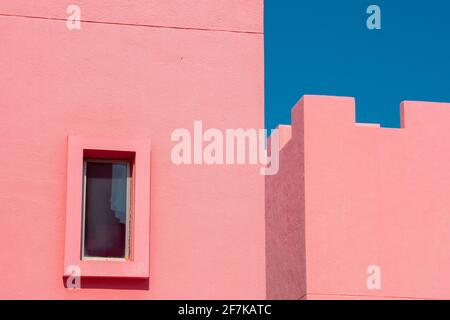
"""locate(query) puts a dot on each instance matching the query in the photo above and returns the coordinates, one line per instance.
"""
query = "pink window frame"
(138, 152)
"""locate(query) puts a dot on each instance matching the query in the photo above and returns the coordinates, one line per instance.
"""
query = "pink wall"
(367, 196)
(139, 74)
(346, 196)
(285, 222)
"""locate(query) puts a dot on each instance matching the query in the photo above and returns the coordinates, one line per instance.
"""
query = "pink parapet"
(351, 196)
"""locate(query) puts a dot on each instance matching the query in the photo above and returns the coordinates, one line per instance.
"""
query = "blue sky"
(324, 47)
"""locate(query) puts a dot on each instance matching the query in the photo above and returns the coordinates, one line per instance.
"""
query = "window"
(106, 209)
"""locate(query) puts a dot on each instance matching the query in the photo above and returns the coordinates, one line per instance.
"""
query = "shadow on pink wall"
(111, 283)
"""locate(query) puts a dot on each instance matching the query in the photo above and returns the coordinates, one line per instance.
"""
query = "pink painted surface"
(347, 195)
(285, 133)
(229, 15)
(131, 82)
(139, 152)
(372, 196)
(285, 239)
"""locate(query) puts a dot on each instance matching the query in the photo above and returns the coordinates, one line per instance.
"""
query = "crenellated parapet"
(351, 195)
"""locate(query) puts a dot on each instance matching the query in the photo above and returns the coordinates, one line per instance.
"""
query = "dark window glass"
(106, 209)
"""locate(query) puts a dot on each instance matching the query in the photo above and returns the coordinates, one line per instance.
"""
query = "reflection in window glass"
(106, 209)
